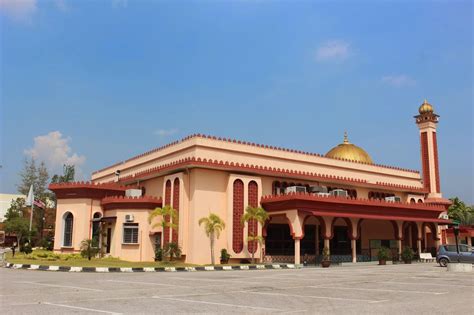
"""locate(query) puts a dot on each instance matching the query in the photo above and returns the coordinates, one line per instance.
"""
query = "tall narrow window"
(252, 224)
(68, 229)
(166, 232)
(238, 211)
(174, 235)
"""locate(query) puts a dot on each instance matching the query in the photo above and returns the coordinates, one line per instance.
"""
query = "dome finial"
(425, 108)
(346, 140)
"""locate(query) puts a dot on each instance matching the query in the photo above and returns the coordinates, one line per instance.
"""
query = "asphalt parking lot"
(394, 289)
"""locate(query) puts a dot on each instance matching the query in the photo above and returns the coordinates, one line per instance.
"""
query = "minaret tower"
(427, 121)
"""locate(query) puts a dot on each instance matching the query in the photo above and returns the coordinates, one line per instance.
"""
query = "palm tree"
(460, 212)
(89, 248)
(253, 214)
(169, 218)
(213, 225)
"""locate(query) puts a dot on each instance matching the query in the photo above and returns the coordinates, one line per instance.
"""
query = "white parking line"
(316, 297)
(58, 286)
(429, 284)
(81, 308)
(378, 290)
(220, 304)
(150, 283)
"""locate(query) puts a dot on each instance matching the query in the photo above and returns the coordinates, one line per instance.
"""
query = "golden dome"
(349, 151)
(425, 108)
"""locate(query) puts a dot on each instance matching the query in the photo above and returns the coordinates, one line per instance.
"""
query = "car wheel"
(443, 262)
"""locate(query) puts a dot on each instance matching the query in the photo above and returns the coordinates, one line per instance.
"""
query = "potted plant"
(407, 255)
(326, 262)
(383, 255)
(224, 256)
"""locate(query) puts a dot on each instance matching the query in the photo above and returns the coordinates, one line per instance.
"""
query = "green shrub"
(383, 253)
(89, 248)
(26, 248)
(408, 254)
(159, 254)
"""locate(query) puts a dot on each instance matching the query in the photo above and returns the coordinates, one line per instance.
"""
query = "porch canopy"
(355, 208)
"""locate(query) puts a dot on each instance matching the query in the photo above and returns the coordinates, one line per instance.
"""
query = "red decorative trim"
(252, 225)
(120, 202)
(435, 148)
(265, 170)
(86, 190)
(238, 211)
(425, 159)
(166, 232)
(176, 207)
(354, 208)
(248, 144)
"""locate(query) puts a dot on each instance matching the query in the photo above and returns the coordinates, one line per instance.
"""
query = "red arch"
(176, 207)
(238, 211)
(166, 232)
(252, 225)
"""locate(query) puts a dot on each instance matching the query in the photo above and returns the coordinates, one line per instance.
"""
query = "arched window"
(412, 200)
(96, 226)
(238, 211)
(252, 225)
(68, 229)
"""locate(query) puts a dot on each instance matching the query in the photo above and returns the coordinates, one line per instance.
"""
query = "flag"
(39, 204)
(31, 197)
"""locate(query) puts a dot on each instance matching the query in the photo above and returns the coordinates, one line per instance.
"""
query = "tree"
(213, 225)
(458, 211)
(259, 215)
(89, 248)
(28, 176)
(16, 209)
(67, 177)
(19, 226)
(169, 218)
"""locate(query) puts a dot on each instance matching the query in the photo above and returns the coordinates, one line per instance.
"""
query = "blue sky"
(95, 82)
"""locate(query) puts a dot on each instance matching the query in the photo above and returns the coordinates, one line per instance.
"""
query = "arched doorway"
(375, 234)
(279, 242)
(430, 237)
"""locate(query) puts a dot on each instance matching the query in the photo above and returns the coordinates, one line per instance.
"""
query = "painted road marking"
(316, 297)
(216, 303)
(379, 290)
(59, 286)
(150, 283)
(81, 308)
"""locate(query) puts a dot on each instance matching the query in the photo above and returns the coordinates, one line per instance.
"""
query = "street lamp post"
(456, 233)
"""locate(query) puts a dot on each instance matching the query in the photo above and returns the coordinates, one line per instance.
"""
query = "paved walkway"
(391, 289)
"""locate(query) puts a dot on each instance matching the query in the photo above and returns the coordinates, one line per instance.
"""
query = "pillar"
(399, 248)
(326, 244)
(418, 244)
(297, 251)
(354, 250)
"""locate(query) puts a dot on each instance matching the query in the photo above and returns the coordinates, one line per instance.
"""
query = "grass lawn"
(42, 257)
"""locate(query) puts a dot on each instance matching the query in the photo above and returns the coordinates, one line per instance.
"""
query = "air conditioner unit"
(318, 189)
(393, 199)
(129, 218)
(444, 216)
(338, 193)
(295, 189)
(323, 194)
(133, 193)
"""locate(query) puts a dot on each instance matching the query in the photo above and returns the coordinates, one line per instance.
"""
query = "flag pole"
(31, 220)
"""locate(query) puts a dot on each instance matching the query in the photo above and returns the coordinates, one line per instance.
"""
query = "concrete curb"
(151, 269)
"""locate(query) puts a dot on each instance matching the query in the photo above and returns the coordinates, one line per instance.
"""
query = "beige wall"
(82, 209)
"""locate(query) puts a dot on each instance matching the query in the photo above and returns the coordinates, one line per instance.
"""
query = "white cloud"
(119, 4)
(19, 10)
(333, 50)
(399, 80)
(55, 151)
(165, 132)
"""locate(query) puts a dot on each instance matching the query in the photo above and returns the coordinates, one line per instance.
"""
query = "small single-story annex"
(341, 200)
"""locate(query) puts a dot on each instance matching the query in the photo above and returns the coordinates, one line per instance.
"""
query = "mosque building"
(341, 200)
